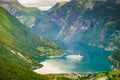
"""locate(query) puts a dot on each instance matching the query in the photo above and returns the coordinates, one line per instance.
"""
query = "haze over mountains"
(93, 21)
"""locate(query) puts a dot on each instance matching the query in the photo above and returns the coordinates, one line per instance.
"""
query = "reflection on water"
(79, 58)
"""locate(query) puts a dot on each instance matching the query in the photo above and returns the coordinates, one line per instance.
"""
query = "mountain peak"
(58, 5)
(9, 2)
(77, 0)
(61, 3)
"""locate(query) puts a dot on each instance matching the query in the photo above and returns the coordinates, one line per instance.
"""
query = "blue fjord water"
(93, 59)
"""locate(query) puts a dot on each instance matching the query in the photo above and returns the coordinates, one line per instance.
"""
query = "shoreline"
(115, 62)
(49, 67)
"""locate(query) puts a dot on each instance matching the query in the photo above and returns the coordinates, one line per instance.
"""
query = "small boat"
(74, 57)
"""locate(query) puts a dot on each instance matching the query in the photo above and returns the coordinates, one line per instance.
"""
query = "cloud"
(41, 4)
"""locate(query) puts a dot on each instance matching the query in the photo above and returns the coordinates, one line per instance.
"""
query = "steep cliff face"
(92, 22)
(70, 19)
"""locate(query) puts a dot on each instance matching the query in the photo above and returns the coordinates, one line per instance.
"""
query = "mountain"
(91, 22)
(58, 5)
(18, 45)
(32, 17)
(95, 23)
(26, 15)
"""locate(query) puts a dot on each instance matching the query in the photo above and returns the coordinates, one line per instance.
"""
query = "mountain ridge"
(24, 14)
(17, 41)
(88, 14)
(78, 20)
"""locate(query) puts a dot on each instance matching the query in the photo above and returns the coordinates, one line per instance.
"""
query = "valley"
(74, 40)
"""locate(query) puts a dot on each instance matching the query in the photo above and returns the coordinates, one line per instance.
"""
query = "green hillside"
(111, 75)
(18, 45)
(24, 14)
(13, 72)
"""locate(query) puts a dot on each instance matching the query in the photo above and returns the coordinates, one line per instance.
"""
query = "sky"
(41, 4)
